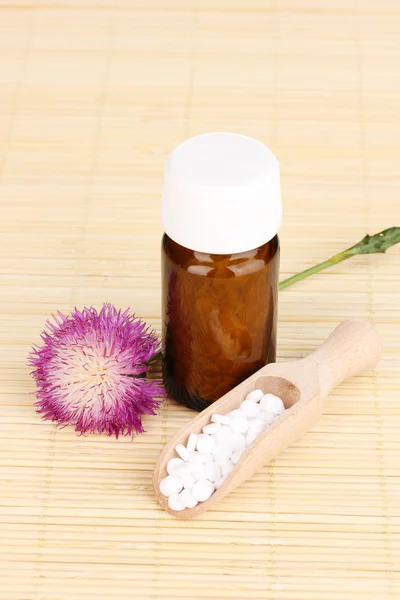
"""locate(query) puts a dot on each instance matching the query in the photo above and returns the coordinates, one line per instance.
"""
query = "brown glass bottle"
(219, 319)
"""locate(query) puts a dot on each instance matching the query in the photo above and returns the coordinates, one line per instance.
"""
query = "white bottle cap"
(221, 194)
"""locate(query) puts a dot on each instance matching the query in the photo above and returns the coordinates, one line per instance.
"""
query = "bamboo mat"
(93, 96)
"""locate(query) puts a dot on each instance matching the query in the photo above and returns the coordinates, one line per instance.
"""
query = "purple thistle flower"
(91, 371)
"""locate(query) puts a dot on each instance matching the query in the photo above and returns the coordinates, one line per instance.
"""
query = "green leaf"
(379, 242)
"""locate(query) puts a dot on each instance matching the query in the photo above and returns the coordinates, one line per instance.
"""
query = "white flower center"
(88, 377)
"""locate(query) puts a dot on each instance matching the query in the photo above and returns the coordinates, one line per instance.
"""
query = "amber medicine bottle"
(221, 211)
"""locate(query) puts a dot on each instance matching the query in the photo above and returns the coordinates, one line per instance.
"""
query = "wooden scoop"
(303, 385)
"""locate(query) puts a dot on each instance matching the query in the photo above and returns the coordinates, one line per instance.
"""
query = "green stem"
(370, 244)
(155, 357)
(334, 260)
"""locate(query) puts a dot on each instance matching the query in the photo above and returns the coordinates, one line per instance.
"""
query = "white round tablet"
(173, 465)
(175, 502)
(226, 468)
(183, 452)
(202, 490)
(212, 472)
(256, 425)
(272, 404)
(171, 485)
(239, 424)
(191, 443)
(205, 443)
(218, 483)
(187, 499)
(250, 437)
(211, 428)
(222, 419)
(255, 395)
(250, 409)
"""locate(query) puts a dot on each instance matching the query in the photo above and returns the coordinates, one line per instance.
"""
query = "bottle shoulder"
(220, 265)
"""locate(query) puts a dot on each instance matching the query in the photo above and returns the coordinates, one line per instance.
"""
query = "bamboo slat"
(94, 94)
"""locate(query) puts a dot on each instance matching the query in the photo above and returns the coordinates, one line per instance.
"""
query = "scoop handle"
(351, 348)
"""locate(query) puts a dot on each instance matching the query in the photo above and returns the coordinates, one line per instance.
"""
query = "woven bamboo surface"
(93, 96)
